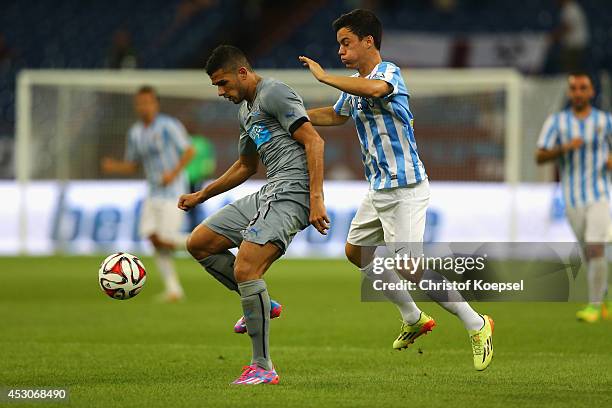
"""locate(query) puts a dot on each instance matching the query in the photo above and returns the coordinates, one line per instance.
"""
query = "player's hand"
(609, 163)
(168, 178)
(573, 144)
(313, 66)
(318, 216)
(188, 201)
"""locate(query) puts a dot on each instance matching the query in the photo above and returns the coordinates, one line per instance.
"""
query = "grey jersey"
(266, 128)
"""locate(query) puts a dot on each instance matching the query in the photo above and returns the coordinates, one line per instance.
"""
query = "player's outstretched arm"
(545, 155)
(113, 166)
(237, 174)
(314, 145)
(368, 88)
(326, 117)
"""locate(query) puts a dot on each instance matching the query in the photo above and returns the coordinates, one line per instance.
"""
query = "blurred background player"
(158, 142)
(394, 209)
(274, 126)
(578, 139)
(199, 169)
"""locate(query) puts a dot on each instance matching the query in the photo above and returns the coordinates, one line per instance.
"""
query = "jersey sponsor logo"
(259, 134)
(359, 102)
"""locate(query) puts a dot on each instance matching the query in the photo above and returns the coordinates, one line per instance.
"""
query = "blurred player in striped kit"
(578, 139)
(159, 142)
(393, 212)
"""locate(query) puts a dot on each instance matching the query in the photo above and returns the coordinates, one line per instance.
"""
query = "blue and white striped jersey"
(159, 148)
(384, 126)
(584, 175)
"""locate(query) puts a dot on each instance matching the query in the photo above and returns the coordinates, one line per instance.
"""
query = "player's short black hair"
(148, 89)
(362, 23)
(226, 57)
(581, 74)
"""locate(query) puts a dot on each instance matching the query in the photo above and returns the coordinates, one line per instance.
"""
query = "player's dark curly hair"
(362, 23)
(228, 58)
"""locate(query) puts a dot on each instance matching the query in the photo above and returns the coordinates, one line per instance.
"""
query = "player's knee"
(411, 274)
(197, 247)
(155, 241)
(594, 251)
(244, 271)
(353, 254)
(192, 248)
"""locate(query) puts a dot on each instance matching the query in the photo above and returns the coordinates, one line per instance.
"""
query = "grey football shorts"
(275, 213)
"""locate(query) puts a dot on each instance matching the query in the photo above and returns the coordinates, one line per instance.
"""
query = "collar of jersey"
(257, 89)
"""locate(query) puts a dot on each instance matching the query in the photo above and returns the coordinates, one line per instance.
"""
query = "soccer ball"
(121, 276)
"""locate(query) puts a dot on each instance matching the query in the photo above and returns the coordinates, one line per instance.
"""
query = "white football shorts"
(391, 216)
(590, 223)
(162, 217)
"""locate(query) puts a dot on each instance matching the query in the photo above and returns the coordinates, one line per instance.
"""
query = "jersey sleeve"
(131, 150)
(342, 106)
(286, 106)
(178, 135)
(246, 145)
(391, 74)
(549, 136)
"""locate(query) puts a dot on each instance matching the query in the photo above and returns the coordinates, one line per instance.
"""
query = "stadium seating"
(73, 34)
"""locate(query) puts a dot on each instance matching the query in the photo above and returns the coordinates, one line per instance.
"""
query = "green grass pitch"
(331, 350)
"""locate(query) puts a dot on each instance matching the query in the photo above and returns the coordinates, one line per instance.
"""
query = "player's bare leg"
(164, 251)
(161, 244)
(252, 262)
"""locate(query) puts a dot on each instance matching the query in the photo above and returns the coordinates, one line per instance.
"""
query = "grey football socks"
(256, 308)
(221, 267)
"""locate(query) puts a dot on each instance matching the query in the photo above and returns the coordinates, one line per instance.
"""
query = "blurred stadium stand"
(180, 33)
